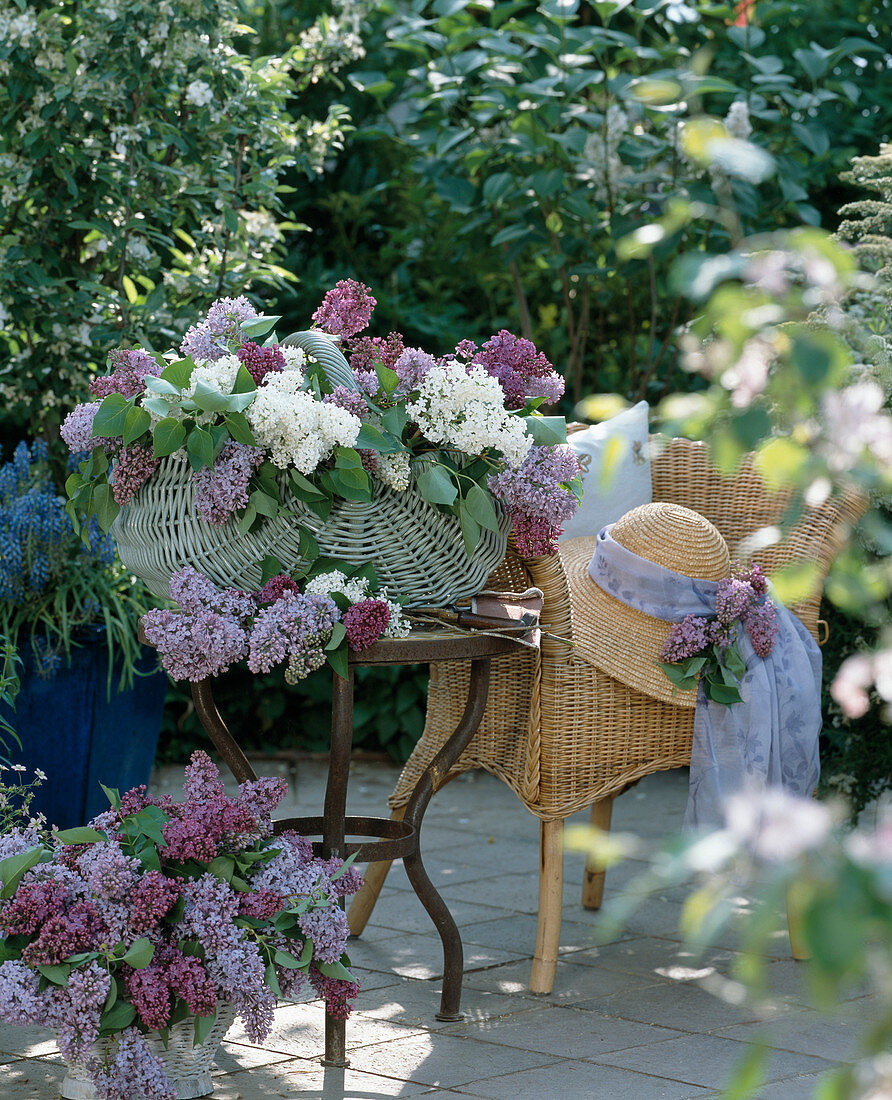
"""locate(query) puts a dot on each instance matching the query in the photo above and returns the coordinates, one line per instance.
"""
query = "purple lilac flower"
(22, 1004)
(196, 646)
(535, 495)
(194, 592)
(261, 360)
(365, 622)
(77, 429)
(293, 627)
(533, 536)
(129, 372)
(293, 872)
(75, 1012)
(328, 930)
(370, 351)
(762, 627)
(346, 309)
(412, 365)
(347, 399)
(465, 350)
(733, 600)
(134, 466)
(260, 797)
(213, 337)
(262, 904)
(347, 883)
(755, 577)
(130, 1071)
(521, 370)
(108, 872)
(219, 491)
(686, 639)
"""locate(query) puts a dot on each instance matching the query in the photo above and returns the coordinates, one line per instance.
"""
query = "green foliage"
(9, 690)
(512, 146)
(136, 183)
(268, 715)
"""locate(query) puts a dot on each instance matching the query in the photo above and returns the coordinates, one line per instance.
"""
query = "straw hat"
(622, 641)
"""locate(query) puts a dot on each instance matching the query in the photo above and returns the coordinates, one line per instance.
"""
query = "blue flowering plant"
(56, 588)
(162, 915)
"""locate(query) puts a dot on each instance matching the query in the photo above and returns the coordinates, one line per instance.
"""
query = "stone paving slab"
(630, 1017)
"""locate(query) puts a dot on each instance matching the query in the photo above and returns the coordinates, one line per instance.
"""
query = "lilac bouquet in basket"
(706, 649)
(162, 914)
(328, 415)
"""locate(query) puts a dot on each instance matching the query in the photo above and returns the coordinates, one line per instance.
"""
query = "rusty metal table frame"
(392, 839)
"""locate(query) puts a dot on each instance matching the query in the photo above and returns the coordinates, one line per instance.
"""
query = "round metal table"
(390, 839)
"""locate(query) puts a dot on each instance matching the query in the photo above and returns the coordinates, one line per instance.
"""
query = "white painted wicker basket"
(187, 1066)
(417, 552)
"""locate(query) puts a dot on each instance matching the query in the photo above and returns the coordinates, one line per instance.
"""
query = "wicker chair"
(559, 731)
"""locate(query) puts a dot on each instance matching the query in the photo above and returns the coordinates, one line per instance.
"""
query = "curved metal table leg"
(333, 838)
(431, 780)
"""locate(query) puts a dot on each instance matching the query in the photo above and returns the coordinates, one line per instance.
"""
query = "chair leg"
(373, 880)
(794, 926)
(593, 878)
(551, 883)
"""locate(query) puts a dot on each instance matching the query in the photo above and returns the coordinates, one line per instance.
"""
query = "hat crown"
(675, 538)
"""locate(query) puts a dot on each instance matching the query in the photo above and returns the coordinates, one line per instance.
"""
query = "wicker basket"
(187, 1066)
(417, 552)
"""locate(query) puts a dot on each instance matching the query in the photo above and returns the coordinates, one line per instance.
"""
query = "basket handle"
(326, 352)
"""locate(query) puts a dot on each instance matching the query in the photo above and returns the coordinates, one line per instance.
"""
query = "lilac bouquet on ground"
(160, 913)
(706, 649)
(326, 415)
(216, 628)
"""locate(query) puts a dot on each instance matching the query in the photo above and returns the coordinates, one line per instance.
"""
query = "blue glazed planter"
(81, 737)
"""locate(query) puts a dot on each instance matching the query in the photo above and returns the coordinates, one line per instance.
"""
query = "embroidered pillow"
(615, 461)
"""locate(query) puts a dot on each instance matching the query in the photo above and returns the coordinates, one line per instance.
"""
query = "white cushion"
(615, 460)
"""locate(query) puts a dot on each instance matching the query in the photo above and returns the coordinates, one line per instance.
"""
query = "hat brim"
(618, 639)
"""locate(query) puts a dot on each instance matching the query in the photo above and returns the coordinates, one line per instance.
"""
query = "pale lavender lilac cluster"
(83, 899)
(346, 309)
(219, 491)
(741, 598)
(77, 429)
(213, 337)
(537, 499)
(293, 629)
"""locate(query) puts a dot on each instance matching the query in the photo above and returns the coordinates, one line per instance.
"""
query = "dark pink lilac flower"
(365, 622)
(133, 468)
(338, 994)
(261, 360)
(346, 309)
(275, 588)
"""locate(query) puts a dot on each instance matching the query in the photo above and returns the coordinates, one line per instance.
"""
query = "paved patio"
(630, 1019)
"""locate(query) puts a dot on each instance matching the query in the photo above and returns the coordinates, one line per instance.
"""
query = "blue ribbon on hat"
(771, 736)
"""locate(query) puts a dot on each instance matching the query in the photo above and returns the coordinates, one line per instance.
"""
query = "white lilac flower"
(199, 93)
(355, 589)
(463, 407)
(295, 359)
(398, 627)
(737, 120)
(219, 374)
(294, 427)
(393, 470)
